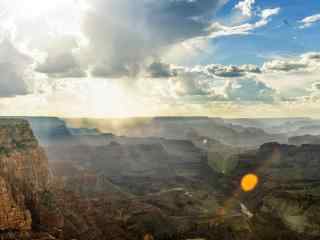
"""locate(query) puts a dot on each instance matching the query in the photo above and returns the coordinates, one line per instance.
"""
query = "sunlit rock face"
(23, 174)
(13, 213)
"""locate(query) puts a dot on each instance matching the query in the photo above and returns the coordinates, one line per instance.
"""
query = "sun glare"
(249, 182)
(34, 8)
(54, 16)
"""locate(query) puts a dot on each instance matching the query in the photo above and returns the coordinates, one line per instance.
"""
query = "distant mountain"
(311, 129)
(305, 139)
(84, 131)
(49, 129)
(287, 126)
(183, 128)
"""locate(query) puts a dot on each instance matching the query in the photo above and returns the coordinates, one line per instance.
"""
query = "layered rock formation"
(24, 177)
(13, 213)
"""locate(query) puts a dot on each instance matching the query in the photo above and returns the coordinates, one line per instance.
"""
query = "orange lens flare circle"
(249, 182)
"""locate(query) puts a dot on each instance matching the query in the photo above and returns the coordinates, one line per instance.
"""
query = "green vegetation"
(19, 145)
(48, 200)
(222, 163)
(4, 151)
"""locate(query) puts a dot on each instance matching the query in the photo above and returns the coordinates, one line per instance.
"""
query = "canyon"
(68, 181)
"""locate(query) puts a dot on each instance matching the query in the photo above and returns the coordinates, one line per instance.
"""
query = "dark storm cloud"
(13, 65)
(114, 70)
(124, 33)
(316, 86)
(211, 71)
(231, 71)
(312, 56)
(160, 70)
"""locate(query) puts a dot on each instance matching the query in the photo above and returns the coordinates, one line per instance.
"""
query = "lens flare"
(249, 182)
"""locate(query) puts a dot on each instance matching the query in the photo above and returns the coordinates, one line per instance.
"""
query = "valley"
(162, 178)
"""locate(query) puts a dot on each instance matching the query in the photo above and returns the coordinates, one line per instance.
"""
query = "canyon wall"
(24, 175)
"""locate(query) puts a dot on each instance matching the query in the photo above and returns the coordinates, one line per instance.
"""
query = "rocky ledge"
(24, 179)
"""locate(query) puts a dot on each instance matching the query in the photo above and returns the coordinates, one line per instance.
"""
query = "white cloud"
(309, 21)
(278, 80)
(308, 62)
(123, 38)
(218, 29)
(214, 82)
(190, 82)
(13, 70)
(242, 90)
(266, 13)
(248, 90)
(115, 48)
(284, 65)
(62, 59)
(123, 35)
(246, 7)
(230, 71)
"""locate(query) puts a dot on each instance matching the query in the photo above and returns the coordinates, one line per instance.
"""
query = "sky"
(124, 58)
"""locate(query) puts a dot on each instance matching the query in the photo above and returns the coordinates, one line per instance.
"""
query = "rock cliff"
(23, 175)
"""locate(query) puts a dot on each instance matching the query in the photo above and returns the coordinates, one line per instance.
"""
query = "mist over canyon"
(159, 178)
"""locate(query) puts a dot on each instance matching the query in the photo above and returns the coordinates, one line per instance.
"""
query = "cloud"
(222, 71)
(313, 56)
(229, 71)
(278, 80)
(122, 37)
(284, 65)
(237, 86)
(292, 76)
(248, 90)
(246, 7)
(243, 90)
(124, 33)
(62, 60)
(114, 70)
(218, 30)
(61, 66)
(305, 62)
(316, 86)
(160, 69)
(216, 82)
(190, 82)
(309, 21)
(313, 93)
(13, 67)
